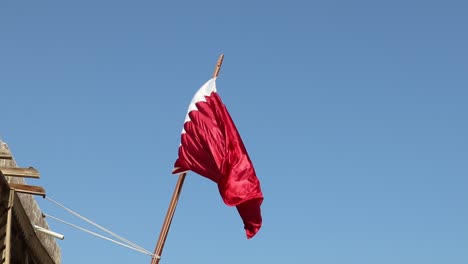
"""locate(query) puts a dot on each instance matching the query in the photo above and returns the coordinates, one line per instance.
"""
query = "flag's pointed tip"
(250, 234)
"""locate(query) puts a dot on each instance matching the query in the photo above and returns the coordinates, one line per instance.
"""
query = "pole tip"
(218, 65)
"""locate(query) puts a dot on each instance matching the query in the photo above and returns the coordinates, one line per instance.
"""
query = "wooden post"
(175, 197)
(11, 198)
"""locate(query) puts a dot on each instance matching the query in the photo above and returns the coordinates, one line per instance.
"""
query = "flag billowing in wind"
(212, 147)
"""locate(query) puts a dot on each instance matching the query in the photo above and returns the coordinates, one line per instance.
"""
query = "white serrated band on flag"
(205, 90)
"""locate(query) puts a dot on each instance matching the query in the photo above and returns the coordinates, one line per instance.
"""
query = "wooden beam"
(30, 189)
(21, 172)
(9, 230)
(5, 154)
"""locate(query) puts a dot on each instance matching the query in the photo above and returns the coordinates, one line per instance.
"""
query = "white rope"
(101, 236)
(102, 228)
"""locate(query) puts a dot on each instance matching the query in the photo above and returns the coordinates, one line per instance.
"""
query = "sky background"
(353, 112)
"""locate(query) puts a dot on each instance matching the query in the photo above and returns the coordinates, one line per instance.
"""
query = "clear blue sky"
(353, 112)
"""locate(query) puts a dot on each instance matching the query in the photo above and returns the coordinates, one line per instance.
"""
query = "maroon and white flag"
(212, 147)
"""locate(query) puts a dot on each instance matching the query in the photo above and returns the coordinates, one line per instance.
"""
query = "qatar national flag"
(211, 146)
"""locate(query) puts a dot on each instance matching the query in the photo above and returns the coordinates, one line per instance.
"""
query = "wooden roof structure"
(19, 212)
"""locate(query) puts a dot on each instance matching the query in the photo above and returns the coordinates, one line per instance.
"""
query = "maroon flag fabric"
(212, 147)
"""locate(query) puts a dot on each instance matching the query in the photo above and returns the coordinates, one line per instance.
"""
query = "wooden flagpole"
(218, 66)
(175, 196)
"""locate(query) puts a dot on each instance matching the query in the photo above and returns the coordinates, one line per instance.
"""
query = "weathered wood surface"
(26, 246)
(21, 172)
(31, 208)
(31, 189)
(4, 154)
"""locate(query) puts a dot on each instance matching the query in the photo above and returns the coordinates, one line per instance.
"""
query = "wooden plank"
(5, 154)
(21, 172)
(30, 189)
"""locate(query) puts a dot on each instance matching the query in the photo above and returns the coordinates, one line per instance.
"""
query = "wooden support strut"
(29, 189)
(175, 196)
